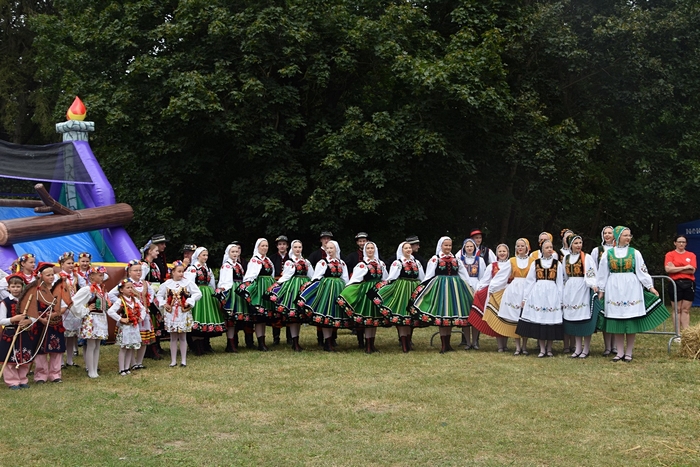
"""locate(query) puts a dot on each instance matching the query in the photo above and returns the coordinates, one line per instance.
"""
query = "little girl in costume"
(71, 322)
(16, 367)
(128, 312)
(22, 267)
(176, 297)
(92, 303)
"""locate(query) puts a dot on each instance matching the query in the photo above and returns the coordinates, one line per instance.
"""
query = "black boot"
(261, 344)
(368, 345)
(443, 347)
(154, 352)
(232, 347)
(295, 344)
(290, 339)
(319, 337)
(360, 339)
(249, 343)
(334, 340)
(404, 344)
(197, 347)
(371, 344)
(276, 336)
(206, 346)
(328, 345)
(235, 340)
(448, 347)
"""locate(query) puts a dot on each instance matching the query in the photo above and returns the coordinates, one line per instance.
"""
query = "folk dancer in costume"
(482, 251)
(91, 304)
(506, 294)
(476, 315)
(566, 236)
(236, 308)
(176, 298)
(278, 259)
(47, 364)
(541, 238)
(71, 323)
(128, 312)
(22, 266)
(314, 258)
(444, 298)
(207, 319)
(608, 241)
(84, 265)
(354, 258)
(354, 300)
(542, 316)
(629, 308)
(284, 292)
(579, 304)
(392, 296)
(14, 320)
(259, 277)
(160, 262)
(318, 297)
(151, 273)
(414, 241)
(146, 295)
(475, 267)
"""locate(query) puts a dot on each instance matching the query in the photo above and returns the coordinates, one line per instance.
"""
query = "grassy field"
(315, 408)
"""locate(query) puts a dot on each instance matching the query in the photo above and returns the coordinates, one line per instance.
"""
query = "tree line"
(219, 120)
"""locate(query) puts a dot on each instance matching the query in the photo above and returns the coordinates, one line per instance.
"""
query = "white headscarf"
(399, 251)
(602, 235)
(337, 250)
(364, 252)
(291, 251)
(463, 256)
(228, 249)
(439, 245)
(257, 244)
(507, 249)
(195, 255)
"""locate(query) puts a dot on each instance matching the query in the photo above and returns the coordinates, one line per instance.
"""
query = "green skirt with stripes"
(442, 301)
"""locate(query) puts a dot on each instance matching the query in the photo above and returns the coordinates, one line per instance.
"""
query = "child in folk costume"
(23, 267)
(92, 303)
(506, 293)
(542, 316)
(476, 316)
(475, 267)
(631, 302)
(296, 272)
(71, 322)
(444, 298)
(47, 364)
(16, 357)
(318, 298)
(354, 300)
(176, 297)
(393, 295)
(128, 312)
(580, 314)
(608, 241)
(146, 295)
(207, 320)
(83, 269)
(258, 278)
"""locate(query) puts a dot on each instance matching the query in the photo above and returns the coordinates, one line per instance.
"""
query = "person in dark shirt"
(356, 256)
(160, 261)
(320, 254)
(415, 246)
(278, 259)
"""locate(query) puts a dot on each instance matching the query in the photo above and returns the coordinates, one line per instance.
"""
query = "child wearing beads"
(145, 293)
(17, 367)
(128, 312)
(22, 267)
(71, 322)
(176, 297)
(92, 303)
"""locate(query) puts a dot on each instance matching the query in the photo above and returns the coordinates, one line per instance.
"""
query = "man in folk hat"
(482, 250)
(281, 256)
(358, 255)
(160, 261)
(320, 254)
(415, 246)
(187, 252)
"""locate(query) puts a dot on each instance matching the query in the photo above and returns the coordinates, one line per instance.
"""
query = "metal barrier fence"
(675, 333)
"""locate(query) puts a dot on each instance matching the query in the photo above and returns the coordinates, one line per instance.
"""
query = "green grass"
(348, 408)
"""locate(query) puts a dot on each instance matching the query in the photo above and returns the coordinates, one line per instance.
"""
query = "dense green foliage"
(219, 119)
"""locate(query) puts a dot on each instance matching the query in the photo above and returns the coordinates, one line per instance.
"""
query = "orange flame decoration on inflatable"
(77, 110)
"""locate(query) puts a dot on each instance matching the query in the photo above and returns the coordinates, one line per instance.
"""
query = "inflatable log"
(63, 221)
